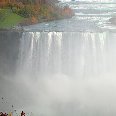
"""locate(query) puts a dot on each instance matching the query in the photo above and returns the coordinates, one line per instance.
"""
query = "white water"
(89, 16)
(70, 66)
(68, 73)
(71, 53)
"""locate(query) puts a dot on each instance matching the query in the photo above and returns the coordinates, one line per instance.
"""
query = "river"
(64, 67)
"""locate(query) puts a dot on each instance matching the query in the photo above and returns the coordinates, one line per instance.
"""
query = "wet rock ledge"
(9, 50)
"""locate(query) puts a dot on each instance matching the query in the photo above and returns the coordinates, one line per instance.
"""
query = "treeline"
(39, 10)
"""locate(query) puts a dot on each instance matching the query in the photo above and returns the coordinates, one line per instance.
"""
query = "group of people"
(3, 114)
(10, 114)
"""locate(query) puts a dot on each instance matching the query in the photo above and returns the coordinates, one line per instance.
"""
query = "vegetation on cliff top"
(9, 19)
(26, 12)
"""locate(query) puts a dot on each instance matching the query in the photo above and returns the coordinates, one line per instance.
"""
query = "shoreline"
(19, 28)
(9, 18)
(20, 24)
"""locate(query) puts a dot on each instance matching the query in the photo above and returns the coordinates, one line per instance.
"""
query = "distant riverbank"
(11, 17)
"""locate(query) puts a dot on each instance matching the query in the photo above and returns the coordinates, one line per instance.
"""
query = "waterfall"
(68, 73)
(62, 67)
(73, 53)
(59, 73)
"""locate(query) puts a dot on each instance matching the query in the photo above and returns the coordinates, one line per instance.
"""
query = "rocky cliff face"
(9, 42)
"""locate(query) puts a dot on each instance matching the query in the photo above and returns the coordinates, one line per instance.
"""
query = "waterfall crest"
(70, 53)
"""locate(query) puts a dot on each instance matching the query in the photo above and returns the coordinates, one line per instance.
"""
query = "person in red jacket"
(1, 114)
(22, 113)
(5, 114)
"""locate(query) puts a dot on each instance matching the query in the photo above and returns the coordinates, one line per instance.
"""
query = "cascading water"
(40, 52)
(70, 53)
(69, 72)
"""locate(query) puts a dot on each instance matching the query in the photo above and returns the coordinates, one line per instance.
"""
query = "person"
(22, 113)
(5, 114)
(10, 114)
(1, 114)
